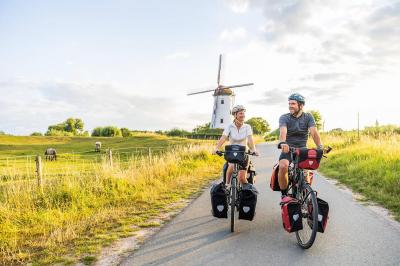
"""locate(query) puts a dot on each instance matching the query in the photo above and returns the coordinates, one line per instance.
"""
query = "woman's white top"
(238, 136)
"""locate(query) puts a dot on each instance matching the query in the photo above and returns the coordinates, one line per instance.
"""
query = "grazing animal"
(51, 154)
(97, 146)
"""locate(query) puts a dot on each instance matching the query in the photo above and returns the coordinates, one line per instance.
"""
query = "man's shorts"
(243, 165)
(286, 156)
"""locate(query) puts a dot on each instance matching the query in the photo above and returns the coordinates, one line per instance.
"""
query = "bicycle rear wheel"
(233, 203)
(306, 237)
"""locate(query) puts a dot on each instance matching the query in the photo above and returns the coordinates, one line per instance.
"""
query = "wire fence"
(34, 168)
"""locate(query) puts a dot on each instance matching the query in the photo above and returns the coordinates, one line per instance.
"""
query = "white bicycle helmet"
(238, 108)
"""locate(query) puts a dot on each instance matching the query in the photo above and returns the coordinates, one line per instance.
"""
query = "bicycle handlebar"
(293, 149)
(220, 153)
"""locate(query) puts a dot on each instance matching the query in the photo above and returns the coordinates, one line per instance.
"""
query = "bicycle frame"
(296, 177)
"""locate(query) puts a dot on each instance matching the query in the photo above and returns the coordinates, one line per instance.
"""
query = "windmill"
(224, 99)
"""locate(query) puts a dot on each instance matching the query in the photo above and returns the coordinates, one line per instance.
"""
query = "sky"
(131, 63)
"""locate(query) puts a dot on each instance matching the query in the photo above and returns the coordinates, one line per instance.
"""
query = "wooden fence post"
(110, 158)
(39, 172)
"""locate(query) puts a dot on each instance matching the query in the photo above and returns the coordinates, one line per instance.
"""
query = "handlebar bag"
(309, 158)
(291, 214)
(247, 202)
(219, 200)
(235, 153)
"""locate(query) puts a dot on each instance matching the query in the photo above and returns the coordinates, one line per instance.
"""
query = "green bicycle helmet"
(297, 97)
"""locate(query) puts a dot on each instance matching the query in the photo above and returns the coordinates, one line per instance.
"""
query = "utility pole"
(358, 125)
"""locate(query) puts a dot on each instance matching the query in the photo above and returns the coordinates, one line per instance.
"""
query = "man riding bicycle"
(241, 134)
(294, 128)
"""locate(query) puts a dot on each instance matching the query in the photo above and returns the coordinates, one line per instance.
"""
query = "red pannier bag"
(291, 214)
(309, 158)
(274, 184)
(323, 211)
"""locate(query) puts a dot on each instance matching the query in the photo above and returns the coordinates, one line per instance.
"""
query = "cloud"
(239, 6)
(233, 35)
(177, 55)
(273, 97)
(96, 104)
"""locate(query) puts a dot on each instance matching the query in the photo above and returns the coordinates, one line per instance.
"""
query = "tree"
(96, 132)
(205, 129)
(125, 132)
(259, 125)
(273, 135)
(70, 127)
(317, 118)
(111, 131)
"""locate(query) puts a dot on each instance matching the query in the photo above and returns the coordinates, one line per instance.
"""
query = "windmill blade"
(193, 93)
(219, 69)
(237, 86)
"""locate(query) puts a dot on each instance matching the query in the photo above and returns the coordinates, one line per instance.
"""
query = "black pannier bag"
(247, 202)
(291, 214)
(323, 211)
(219, 200)
(235, 153)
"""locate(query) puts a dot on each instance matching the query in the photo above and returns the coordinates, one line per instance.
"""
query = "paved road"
(356, 235)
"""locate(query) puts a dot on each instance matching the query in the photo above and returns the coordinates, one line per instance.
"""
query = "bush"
(108, 131)
(111, 131)
(36, 134)
(58, 133)
(176, 132)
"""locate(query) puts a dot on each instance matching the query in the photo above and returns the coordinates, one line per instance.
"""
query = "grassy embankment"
(75, 214)
(369, 165)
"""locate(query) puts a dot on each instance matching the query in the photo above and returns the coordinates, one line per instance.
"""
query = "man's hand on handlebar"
(285, 148)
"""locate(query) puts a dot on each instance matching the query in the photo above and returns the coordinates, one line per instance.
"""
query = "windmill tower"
(224, 99)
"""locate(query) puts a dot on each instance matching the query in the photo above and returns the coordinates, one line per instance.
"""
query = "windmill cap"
(224, 91)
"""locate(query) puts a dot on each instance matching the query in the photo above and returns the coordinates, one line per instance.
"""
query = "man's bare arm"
(315, 136)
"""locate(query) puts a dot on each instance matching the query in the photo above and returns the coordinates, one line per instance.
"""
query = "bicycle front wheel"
(233, 203)
(309, 210)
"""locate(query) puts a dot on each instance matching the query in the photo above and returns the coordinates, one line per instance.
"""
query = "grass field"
(87, 203)
(369, 165)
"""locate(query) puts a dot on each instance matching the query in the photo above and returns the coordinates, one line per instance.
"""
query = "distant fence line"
(19, 169)
(90, 152)
(204, 136)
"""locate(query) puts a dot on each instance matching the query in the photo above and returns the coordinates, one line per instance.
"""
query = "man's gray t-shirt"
(297, 128)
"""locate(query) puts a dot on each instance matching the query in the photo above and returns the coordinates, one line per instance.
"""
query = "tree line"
(75, 127)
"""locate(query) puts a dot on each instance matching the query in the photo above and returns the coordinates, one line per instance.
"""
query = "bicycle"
(234, 189)
(251, 173)
(298, 188)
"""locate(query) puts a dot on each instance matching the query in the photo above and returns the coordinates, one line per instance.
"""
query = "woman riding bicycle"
(238, 133)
